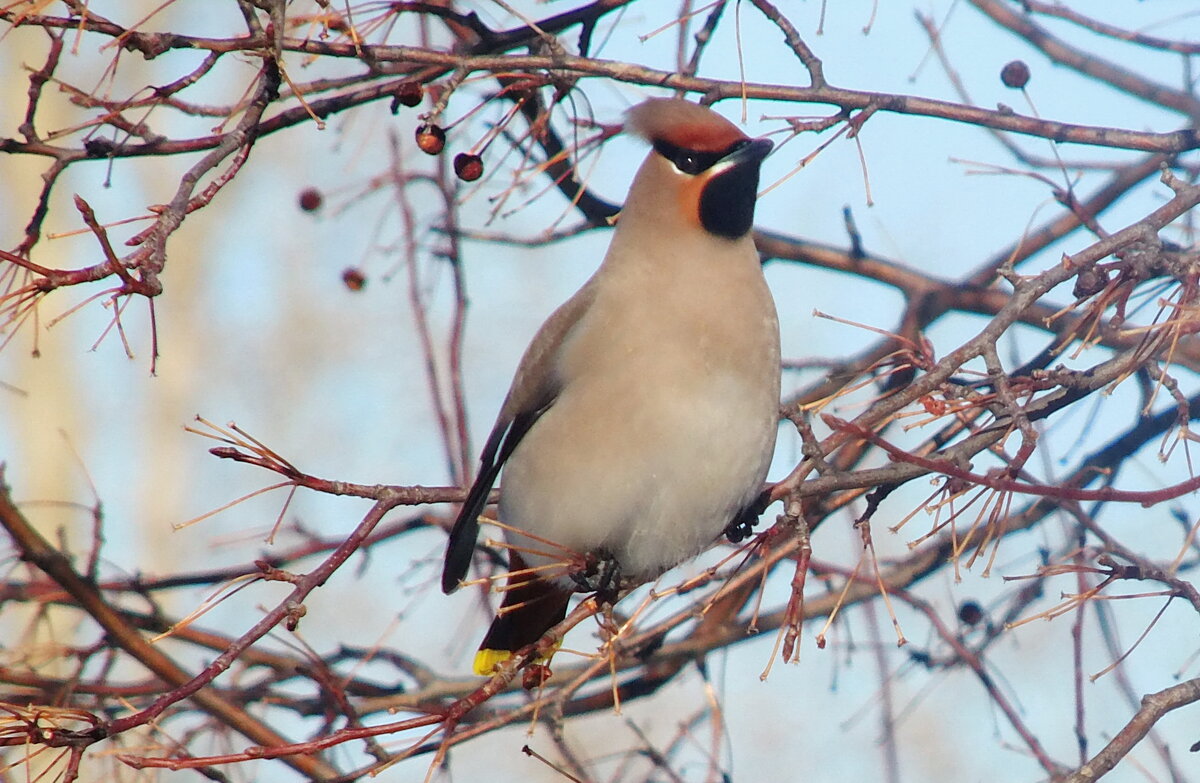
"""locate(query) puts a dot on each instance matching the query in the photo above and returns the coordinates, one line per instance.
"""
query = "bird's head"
(702, 170)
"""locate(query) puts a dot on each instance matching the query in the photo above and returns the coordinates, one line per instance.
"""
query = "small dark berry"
(1089, 281)
(431, 139)
(1015, 75)
(970, 613)
(410, 93)
(311, 199)
(468, 167)
(354, 279)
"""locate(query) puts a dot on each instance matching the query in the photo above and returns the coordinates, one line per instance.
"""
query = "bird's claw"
(742, 525)
(600, 573)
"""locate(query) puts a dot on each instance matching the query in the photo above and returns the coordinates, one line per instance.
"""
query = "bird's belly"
(648, 477)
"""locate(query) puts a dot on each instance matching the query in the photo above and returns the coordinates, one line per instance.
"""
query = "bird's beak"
(753, 151)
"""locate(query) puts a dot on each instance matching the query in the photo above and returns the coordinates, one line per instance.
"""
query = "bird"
(641, 420)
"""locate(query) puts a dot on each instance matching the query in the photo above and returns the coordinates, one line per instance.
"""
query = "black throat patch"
(727, 201)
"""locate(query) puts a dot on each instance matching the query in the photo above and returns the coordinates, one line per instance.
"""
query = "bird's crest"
(682, 124)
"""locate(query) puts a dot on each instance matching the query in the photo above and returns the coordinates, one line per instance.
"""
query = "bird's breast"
(663, 429)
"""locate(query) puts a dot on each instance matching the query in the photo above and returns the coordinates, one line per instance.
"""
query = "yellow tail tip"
(486, 661)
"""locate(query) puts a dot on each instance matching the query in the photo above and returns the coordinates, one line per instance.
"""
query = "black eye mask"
(693, 162)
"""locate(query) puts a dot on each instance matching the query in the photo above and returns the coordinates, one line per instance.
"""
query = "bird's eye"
(688, 162)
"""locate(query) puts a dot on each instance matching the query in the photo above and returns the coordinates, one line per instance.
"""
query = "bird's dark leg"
(600, 574)
(744, 521)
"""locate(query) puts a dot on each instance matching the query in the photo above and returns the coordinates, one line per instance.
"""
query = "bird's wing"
(535, 387)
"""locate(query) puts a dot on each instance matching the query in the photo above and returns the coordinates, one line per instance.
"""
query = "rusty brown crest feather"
(682, 123)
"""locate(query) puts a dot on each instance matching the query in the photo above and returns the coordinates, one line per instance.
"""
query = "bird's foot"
(740, 529)
(742, 526)
(599, 573)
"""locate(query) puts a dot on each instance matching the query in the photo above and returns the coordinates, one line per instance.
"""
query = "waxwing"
(641, 420)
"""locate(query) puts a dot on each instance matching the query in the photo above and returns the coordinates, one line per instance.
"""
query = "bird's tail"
(531, 606)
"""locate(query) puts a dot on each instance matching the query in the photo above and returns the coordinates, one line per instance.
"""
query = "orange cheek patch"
(688, 198)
